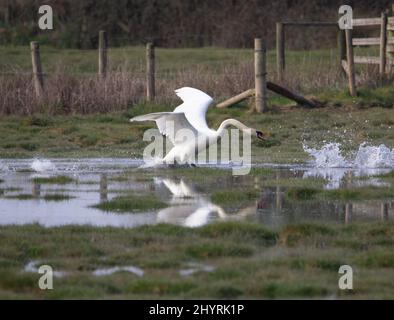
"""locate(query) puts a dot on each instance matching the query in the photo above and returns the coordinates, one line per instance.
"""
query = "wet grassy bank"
(245, 261)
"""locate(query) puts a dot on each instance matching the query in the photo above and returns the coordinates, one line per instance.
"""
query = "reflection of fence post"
(278, 193)
(260, 73)
(36, 190)
(350, 62)
(103, 54)
(37, 69)
(383, 44)
(280, 50)
(348, 212)
(384, 210)
(150, 72)
(103, 187)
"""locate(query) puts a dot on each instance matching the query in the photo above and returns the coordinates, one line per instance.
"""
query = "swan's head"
(259, 134)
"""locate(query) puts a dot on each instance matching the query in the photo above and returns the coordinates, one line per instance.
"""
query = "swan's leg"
(171, 157)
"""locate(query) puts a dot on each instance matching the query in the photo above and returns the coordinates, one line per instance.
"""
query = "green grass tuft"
(301, 193)
(53, 180)
(23, 196)
(57, 197)
(234, 197)
(131, 203)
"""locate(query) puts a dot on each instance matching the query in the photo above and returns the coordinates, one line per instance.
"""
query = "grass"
(249, 260)
(234, 197)
(221, 72)
(301, 193)
(114, 136)
(131, 203)
(53, 180)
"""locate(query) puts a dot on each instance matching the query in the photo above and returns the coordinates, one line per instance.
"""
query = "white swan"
(190, 117)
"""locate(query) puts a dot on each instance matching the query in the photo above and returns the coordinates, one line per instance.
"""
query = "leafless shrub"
(87, 93)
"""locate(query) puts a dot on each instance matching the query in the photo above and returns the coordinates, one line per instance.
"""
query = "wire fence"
(72, 83)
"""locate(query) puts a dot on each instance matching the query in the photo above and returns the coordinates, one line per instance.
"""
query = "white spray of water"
(374, 157)
(330, 156)
(329, 163)
(42, 165)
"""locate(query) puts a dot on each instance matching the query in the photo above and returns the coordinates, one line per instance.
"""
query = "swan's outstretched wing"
(178, 190)
(195, 105)
(168, 123)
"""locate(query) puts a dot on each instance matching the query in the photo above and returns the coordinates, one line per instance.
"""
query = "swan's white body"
(190, 115)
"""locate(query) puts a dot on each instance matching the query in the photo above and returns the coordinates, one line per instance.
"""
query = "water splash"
(42, 165)
(32, 267)
(374, 157)
(108, 271)
(330, 156)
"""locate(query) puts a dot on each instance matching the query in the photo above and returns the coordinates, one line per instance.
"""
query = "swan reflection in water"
(190, 208)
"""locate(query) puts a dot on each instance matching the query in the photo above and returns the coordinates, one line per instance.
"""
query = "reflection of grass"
(47, 197)
(385, 175)
(57, 197)
(234, 197)
(363, 193)
(131, 203)
(23, 196)
(294, 261)
(301, 193)
(53, 180)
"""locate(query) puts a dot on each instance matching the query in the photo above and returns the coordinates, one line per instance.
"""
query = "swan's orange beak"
(260, 135)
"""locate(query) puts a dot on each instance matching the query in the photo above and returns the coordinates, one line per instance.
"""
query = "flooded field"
(111, 229)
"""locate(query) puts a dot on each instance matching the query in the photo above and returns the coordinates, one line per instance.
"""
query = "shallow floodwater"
(188, 201)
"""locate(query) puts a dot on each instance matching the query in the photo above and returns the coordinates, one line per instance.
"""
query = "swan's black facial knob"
(260, 135)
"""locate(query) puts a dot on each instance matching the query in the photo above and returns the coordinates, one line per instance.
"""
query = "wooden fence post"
(150, 71)
(350, 62)
(37, 69)
(390, 47)
(103, 59)
(383, 45)
(260, 75)
(341, 47)
(280, 50)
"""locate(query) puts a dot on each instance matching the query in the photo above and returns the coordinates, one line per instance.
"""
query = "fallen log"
(238, 98)
(290, 95)
(273, 87)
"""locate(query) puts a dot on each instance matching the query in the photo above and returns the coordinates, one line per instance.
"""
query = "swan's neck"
(230, 122)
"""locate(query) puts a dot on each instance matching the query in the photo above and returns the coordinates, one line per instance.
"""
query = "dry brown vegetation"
(66, 92)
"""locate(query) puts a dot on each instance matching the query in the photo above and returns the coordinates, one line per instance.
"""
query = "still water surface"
(189, 202)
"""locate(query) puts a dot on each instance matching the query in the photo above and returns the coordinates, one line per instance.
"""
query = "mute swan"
(190, 115)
